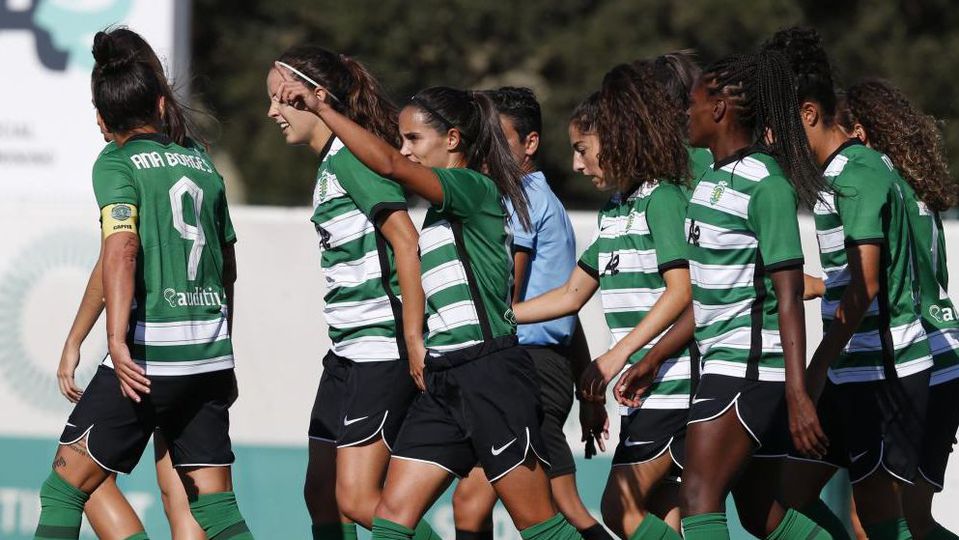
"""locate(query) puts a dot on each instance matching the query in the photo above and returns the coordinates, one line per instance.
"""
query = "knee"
(697, 496)
(754, 525)
(355, 501)
(470, 512)
(320, 497)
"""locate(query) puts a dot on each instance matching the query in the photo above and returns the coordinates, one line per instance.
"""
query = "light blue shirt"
(552, 248)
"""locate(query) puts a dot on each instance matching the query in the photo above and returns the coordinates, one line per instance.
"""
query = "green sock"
(334, 531)
(554, 528)
(941, 533)
(61, 509)
(706, 527)
(219, 517)
(142, 535)
(799, 527)
(894, 529)
(425, 532)
(653, 528)
(384, 529)
(827, 519)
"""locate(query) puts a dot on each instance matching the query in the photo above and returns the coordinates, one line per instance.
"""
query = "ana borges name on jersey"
(151, 160)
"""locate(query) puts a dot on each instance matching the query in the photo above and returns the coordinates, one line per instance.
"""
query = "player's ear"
(453, 137)
(809, 113)
(532, 144)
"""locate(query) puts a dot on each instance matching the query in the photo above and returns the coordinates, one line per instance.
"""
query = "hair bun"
(109, 55)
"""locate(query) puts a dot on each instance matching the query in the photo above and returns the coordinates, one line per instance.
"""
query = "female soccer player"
(481, 401)
(370, 261)
(883, 118)
(168, 312)
(634, 145)
(543, 258)
(108, 511)
(874, 344)
(746, 271)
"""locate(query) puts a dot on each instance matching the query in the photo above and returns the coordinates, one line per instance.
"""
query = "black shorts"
(942, 420)
(555, 376)
(760, 406)
(356, 401)
(830, 420)
(192, 411)
(646, 434)
(884, 425)
(481, 406)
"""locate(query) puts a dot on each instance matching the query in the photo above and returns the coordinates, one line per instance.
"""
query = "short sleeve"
(371, 192)
(773, 215)
(465, 192)
(860, 211)
(523, 240)
(666, 218)
(113, 182)
(589, 260)
(226, 223)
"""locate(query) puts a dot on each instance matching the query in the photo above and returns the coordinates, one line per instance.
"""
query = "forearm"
(411, 288)
(674, 340)
(556, 303)
(853, 306)
(91, 306)
(792, 334)
(119, 268)
(667, 309)
(813, 287)
(579, 353)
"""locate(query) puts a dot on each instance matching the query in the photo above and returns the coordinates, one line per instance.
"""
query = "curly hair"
(586, 113)
(641, 135)
(911, 139)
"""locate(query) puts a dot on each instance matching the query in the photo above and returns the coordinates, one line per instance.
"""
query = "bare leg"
(360, 471)
(205, 480)
(716, 451)
(756, 496)
(803, 481)
(176, 505)
(525, 494)
(877, 498)
(109, 512)
(628, 492)
(665, 502)
(917, 507)
(567, 498)
(77, 468)
(473, 502)
(319, 490)
(411, 488)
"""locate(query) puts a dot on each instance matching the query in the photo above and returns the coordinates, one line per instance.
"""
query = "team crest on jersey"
(941, 314)
(509, 316)
(121, 212)
(629, 220)
(322, 187)
(717, 192)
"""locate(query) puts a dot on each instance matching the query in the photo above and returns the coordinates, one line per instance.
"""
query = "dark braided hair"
(761, 91)
(482, 140)
(803, 47)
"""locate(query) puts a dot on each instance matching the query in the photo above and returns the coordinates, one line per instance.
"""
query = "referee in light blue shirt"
(544, 257)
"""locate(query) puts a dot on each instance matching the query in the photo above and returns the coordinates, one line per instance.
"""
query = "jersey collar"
(853, 141)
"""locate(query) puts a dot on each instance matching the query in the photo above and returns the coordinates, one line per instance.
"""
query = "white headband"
(303, 76)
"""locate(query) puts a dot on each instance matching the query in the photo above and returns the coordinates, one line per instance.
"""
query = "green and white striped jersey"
(178, 324)
(362, 301)
(741, 225)
(466, 264)
(939, 316)
(638, 237)
(867, 207)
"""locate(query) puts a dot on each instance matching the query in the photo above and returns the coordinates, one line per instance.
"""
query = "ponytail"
(125, 88)
(490, 153)
(482, 141)
(353, 90)
(176, 123)
(761, 92)
(779, 114)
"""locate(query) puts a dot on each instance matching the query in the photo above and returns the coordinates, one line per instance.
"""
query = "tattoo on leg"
(79, 447)
(59, 462)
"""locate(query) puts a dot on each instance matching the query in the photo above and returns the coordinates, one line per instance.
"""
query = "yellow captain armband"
(119, 217)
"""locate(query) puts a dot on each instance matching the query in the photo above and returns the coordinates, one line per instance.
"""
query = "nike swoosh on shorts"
(347, 421)
(497, 451)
